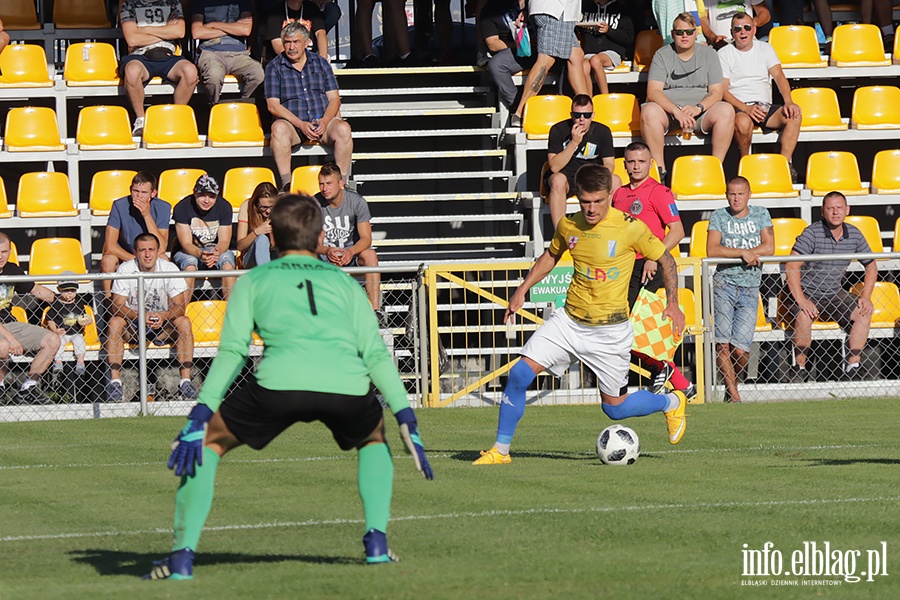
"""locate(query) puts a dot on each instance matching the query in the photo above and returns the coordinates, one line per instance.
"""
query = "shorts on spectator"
(156, 68)
(613, 56)
(734, 314)
(838, 307)
(569, 180)
(29, 336)
(698, 123)
(554, 37)
(774, 108)
(184, 260)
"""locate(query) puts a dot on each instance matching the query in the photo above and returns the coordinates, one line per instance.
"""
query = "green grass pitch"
(86, 506)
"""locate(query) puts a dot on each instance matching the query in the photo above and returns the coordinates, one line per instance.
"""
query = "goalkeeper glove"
(187, 449)
(409, 431)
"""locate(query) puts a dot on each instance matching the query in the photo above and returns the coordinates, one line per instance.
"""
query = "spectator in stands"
(141, 212)
(499, 18)
(319, 16)
(153, 29)
(665, 11)
(883, 17)
(554, 21)
(815, 286)
(717, 27)
(653, 203)
(745, 232)
(222, 28)
(4, 38)
(396, 34)
(571, 144)
(255, 241)
(607, 38)
(748, 69)
(164, 319)
(203, 232)
(18, 338)
(67, 318)
(348, 230)
(302, 95)
(685, 90)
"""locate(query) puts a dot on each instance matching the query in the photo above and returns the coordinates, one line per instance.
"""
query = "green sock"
(376, 480)
(193, 502)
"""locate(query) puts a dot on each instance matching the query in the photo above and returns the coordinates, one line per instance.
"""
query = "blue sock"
(638, 404)
(512, 406)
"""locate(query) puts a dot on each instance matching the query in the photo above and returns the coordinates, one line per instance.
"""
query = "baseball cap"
(206, 185)
(67, 285)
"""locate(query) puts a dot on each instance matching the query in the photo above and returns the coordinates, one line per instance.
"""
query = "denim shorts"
(184, 260)
(734, 314)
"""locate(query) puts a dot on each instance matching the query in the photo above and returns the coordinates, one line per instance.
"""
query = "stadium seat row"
(67, 14)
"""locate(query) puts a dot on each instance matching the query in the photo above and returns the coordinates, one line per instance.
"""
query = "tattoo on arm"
(669, 274)
(538, 82)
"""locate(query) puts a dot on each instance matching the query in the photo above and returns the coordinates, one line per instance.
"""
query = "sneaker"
(482, 59)
(690, 392)
(5, 400)
(675, 419)
(800, 375)
(854, 374)
(381, 316)
(662, 377)
(32, 396)
(493, 457)
(79, 369)
(187, 390)
(57, 367)
(115, 392)
(138, 129)
(515, 121)
(377, 551)
(177, 566)
(795, 177)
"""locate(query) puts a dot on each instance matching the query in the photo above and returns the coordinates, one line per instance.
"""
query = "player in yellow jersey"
(594, 325)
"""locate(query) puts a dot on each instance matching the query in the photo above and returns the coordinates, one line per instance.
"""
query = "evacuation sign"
(554, 286)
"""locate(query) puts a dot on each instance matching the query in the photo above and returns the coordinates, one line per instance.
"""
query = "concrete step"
(432, 175)
(443, 197)
(427, 154)
(412, 91)
(492, 218)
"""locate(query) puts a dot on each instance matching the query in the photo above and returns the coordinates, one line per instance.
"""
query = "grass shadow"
(471, 455)
(118, 562)
(841, 462)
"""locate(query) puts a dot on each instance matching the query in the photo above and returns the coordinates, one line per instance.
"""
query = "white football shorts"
(606, 349)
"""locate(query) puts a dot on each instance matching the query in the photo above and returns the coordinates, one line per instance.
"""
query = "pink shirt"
(651, 202)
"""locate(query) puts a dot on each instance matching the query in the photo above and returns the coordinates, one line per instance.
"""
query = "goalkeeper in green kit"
(322, 353)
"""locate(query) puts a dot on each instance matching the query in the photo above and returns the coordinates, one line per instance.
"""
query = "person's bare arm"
(112, 246)
(791, 110)
(494, 44)
(761, 14)
(122, 309)
(715, 249)
(322, 43)
(207, 31)
(542, 267)
(42, 293)
(186, 240)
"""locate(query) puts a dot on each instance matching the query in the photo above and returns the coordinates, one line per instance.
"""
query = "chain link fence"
(152, 374)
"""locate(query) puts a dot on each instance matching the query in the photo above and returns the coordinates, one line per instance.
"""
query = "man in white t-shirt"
(717, 27)
(748, 68)
(164, 316)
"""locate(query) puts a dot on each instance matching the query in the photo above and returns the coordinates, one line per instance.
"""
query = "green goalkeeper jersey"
(320, 334)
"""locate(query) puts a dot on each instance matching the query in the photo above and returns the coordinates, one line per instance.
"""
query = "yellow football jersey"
(603, 256)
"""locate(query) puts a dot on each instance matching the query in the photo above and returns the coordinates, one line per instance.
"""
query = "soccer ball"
(618, 445)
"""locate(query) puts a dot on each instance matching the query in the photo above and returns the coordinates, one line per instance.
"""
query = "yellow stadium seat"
(19, 314)
(104, 128)
(821, 111)
(797, 47)
(206, 318)
(870, 229)
(52, 256)
(876, 107)
(886, 172)
(687, 305)
(45, 194)
(769, 175)
(762, 324)
(543, 112)
(619, 170)
(235, 124)
(896, 54)
(91, 337)
(834, 171)
(175, 184)
(23, 65)
(240, 182)
(896, 247)
(80, 14)
(107, 187)
(171, 126)
(645, 46)
(698, 177)
(620, 112)
(19, 15)
(91, 63)
(32, 129)
(858, 45)
(5, 212)
(13, 253)
(699, 234)
(885, 301)
(786, 231)
(305, 180)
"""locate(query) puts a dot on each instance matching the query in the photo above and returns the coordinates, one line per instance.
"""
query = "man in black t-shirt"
(18, 338)
(497, 16)
(320, 17)
(572, 144)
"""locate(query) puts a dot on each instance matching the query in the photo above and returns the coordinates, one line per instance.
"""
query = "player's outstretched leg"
(512, 407)
(644, 402)
(376, 479)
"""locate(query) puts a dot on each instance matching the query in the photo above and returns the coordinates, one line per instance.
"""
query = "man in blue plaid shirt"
(303, 96)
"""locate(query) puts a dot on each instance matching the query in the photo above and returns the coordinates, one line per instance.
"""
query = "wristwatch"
(700, 106)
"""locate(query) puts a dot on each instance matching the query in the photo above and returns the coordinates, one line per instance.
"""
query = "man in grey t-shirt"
(348, 230)
(685, 90)
(745, 232)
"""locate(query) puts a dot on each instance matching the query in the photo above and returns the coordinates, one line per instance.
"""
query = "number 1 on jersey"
(309, 292)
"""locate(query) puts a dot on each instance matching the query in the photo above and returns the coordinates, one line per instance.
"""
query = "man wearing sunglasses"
(571, 144)
(748, 69)
(684, 91)
(717, 26)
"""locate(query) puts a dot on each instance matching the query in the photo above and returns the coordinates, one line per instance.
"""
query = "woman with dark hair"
(254, 230)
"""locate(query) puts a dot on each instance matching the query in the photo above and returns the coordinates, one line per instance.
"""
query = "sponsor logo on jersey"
(611, 248)
(598, 274)
(572, 241)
